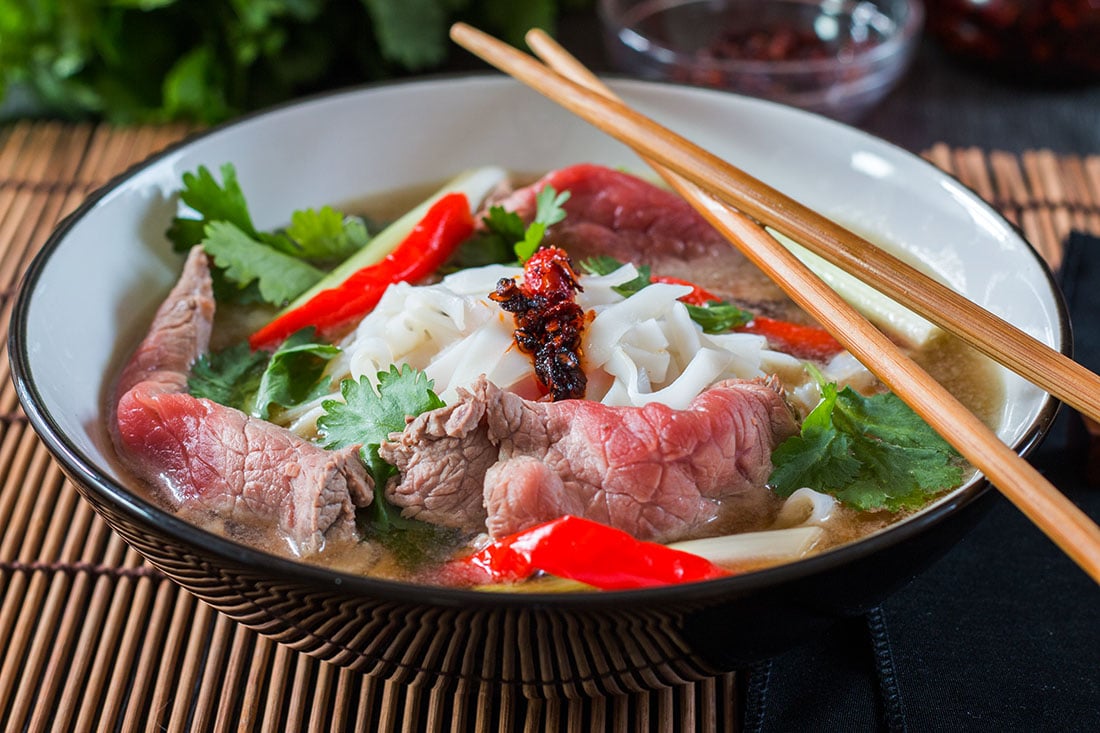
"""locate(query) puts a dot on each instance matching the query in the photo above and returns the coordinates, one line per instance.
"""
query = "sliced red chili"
(698, 295)
(805, 342)
(589, 552)
(447, 223)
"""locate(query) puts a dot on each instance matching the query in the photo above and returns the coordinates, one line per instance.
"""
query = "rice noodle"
(637, 350)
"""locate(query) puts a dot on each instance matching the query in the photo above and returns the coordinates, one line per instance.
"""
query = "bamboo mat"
(94, 639)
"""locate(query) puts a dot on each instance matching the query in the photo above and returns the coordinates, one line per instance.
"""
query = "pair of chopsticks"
(731, 200)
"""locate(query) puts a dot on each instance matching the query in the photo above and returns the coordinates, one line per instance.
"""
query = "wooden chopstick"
(1070, 528)
(1045, 367)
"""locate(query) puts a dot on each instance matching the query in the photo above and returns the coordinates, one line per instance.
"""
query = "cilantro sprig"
(507, 238)
(208, 60)
(268, 266)
(366, 417)
(256, 381)
(229, 377)
(870, 452)
(716, 316)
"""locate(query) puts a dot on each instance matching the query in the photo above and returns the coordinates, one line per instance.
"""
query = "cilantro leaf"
(548, 206)
(258, 266)
(253, 381)
(871, 452)
(718, 316)
(600, 265)
(506, 224)
(478, 251)
(245, 260)
(229, 377)
(213, 202)
(293, 375)
(497, 244)
(506, 236)
(366, 417)
(325, 234)
(819, 456)
(548, 212)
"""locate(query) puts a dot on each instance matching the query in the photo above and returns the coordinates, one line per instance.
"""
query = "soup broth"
(419, 552)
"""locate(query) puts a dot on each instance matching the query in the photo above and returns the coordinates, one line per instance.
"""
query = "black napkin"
(1001, 634)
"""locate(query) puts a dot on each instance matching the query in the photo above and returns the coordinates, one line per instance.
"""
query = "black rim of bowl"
(85, 470)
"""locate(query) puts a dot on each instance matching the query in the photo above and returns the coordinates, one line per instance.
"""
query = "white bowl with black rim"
(89, 294)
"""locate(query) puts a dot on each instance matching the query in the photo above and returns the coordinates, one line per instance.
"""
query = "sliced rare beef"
(616, 214)
(208, 457)
(660, 474)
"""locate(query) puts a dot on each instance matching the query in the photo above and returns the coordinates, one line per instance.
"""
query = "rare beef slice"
(660, 474)
(618, 215)
(203, 456)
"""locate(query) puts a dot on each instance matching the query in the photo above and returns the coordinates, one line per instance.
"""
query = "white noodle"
(637, 350)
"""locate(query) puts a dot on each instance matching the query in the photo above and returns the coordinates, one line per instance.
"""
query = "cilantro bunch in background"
(207, 60)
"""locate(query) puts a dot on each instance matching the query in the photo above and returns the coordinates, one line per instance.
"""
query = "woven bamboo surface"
(95, 639)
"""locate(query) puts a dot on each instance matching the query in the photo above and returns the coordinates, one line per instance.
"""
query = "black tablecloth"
(1001, 634)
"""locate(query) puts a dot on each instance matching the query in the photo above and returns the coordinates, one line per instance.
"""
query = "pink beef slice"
(207, 457)
(622, 216)
(660, 474)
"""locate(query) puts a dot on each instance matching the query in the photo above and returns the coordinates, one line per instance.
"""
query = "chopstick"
(1065, 524)
(1037, 362)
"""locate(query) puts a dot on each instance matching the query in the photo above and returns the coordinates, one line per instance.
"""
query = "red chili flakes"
(549, 323)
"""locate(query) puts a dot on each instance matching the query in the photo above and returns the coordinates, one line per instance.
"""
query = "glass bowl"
(834, 57)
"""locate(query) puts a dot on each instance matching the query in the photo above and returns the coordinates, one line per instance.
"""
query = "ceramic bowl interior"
(91, 291)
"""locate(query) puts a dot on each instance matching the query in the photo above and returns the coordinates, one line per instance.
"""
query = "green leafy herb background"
(208, 60)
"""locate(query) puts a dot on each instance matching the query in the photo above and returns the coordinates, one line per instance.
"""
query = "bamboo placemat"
(95, 639)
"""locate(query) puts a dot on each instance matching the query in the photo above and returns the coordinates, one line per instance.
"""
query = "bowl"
(834, 57)
(89, 293)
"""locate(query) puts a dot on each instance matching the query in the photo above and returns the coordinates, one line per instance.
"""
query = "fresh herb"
(715, 316)
(213, 202)
(367, 416)
(506, 238)
(869, 452)
(293, 375)
(229, 377)
(254, 381)
(255, 266)
(209, 60)
(548, 212)
(326, 235)
(718, 316)
(245, 261)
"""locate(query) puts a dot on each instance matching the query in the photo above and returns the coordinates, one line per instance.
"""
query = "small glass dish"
(834, 57)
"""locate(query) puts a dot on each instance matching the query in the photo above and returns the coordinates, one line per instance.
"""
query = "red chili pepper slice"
(589, 552)
(698, 294)
(805, 342)
(447, 224)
